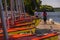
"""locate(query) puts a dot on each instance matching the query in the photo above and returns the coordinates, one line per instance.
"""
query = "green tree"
(46, 8)
(31, 5)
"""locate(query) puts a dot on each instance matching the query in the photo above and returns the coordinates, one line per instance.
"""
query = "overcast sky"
(54, 3)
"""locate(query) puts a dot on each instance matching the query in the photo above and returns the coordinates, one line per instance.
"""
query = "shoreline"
(56, 23)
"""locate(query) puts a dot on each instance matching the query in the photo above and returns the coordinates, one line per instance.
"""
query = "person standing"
(36, 14)
(44, 17)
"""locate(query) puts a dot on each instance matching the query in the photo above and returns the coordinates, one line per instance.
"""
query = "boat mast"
(24, 8)
(3, 21)
(19, 7)
(12, 11)
(7, 20)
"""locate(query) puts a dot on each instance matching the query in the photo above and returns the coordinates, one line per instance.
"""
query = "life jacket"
(44, 14)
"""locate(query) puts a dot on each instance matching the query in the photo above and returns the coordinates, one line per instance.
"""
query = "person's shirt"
(44, 14)
(36, 14)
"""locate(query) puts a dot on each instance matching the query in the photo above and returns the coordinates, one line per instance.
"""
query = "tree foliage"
(31, 5)
(46, 8)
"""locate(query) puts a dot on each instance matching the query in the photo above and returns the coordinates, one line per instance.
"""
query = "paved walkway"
(55, 26)
(47, 26)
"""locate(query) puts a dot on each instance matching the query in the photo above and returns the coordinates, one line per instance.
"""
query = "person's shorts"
(45, 18)
(37, 16)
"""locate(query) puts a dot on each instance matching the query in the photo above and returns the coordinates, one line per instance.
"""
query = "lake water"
(54, 15)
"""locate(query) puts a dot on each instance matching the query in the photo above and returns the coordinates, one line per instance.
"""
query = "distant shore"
(57, 9)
